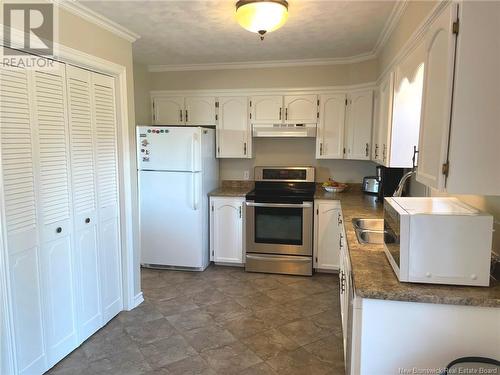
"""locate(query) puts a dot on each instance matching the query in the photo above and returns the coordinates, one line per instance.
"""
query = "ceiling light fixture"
(261, 16)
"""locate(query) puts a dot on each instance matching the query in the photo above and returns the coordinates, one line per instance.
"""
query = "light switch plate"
(246, 175)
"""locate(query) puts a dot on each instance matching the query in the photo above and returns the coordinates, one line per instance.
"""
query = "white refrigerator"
(177, 168)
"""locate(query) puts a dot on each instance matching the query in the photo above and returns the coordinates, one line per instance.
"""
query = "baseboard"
(138, 299)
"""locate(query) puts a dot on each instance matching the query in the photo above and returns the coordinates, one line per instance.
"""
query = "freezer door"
(171, 219)
(163, 148)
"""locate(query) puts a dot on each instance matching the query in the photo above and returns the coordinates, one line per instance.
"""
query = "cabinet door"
(107, 195)
(359, 125)
(227, 230)
(21, 223)
(330, 138)
(233, 133)
(328, 229)
(386, 91)
(266, 109)
(200, 110)
(54, 202)
(408, 80)
(439, 44)
(84, 199)
(301, 109)
(168, 110)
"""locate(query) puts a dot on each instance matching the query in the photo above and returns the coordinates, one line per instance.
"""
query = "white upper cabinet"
(227, 229)
(233, 129)
(330, 135)
(359, 125)
(384, 119)
(168, 110)
(266, 109)
(180, 110)
(439, 44)
(200, 110)
(301, 109)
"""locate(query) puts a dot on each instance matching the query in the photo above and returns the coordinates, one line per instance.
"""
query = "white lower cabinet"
(327, 235)
(226, 229)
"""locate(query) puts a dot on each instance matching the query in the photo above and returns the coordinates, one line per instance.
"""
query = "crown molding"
(390, 25)
(88, 14)
(262, 64)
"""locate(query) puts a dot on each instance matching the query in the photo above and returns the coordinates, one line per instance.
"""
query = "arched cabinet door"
(301, 109)
(199, 110)
(266, 109)
(384, 123)
(227, 231)
(330, 135)
(439, 46)
(233, 131)
(328, 229)
(169, 110)
(359, 125)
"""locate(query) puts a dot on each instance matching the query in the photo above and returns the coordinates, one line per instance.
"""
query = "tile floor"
(221, 321)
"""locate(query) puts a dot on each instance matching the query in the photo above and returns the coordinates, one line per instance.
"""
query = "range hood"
(284, 130)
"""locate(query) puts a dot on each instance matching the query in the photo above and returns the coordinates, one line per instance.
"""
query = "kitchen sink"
(368, 224)
(373, 237)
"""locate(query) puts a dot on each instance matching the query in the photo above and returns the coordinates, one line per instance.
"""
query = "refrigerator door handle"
(195, 203)
(193, 152)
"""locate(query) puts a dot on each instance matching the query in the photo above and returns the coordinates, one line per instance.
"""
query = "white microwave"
(438, 241)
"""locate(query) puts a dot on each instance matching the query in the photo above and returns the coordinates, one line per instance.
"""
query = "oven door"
(279, 228)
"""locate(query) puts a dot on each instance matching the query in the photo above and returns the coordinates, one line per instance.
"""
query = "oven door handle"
(280, 205)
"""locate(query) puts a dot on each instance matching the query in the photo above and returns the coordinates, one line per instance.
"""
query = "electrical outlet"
(246, 175)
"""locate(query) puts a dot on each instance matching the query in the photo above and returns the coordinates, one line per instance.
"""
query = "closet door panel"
(19, 205)
(49, 99)
(107, 194)
(84, 200)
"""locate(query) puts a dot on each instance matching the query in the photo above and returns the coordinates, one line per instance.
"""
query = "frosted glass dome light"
(261, 16)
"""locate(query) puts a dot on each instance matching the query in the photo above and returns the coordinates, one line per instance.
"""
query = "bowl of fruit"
(332, 186)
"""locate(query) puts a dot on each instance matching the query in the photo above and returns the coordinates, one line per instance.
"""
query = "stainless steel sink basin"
(373, 237)
(368, 224)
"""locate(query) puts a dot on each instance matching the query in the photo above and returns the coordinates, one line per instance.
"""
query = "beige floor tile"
(269, 344)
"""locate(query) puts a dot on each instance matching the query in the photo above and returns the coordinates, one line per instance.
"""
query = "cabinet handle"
(384, 152)
(180, 114)
(340, 221)
(366, 149)
(414, 158)
(87, 220)
(321, 148)
(244, 148)
(239, 211)
(376, 151)
(286, 113)
(280, 112)
(342, 282)
(58, 230)
(187, 115)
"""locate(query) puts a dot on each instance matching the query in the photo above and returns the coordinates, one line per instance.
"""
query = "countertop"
(372, 273)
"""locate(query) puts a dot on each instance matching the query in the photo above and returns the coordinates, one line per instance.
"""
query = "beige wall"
(84, 36)
(413, 16)
(306, 76)
(295, 152)
(142, 88)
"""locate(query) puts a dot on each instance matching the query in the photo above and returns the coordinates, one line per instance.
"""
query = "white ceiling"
(206, 32)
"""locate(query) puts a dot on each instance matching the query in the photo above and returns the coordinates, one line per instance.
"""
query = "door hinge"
(445, 168)
(216, 117)
(212, 253)
(250, 103)
(456, 27)
(344, 150)
(317, 211)
(318, 102)
(218, 149)
(346, 102)
(317, 114)
(250, 115)
(216, 104)
(212, 208)
(316, 259)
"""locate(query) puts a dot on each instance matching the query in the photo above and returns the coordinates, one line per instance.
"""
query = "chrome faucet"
(402, 183)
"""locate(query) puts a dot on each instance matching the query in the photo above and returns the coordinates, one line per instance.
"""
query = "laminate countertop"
(372, 273)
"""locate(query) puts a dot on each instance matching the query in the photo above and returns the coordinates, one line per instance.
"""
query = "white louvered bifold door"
(83, 174)
(104, 111)
(55, 216)
(19, 207)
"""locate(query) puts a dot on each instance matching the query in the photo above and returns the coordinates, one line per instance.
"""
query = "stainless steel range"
(279, 221)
